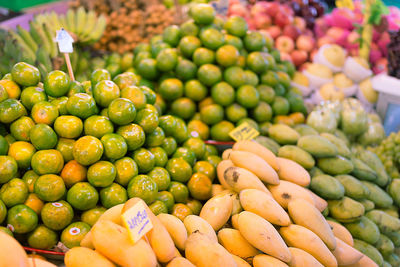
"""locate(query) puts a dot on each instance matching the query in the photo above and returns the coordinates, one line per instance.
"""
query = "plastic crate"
(388, 106)
(17, 5)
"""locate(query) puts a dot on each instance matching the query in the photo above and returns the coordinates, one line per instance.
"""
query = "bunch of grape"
(389, 153)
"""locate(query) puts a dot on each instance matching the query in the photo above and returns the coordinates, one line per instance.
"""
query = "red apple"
(324, 40)
(286, 57)
(304, 66)
(284, 44)
(335, 32)
(305, 43)
(282, 19)
(300, 23)
(273, 9)
(262, 21)
(298, 57)
(291, 31)
(313, 54)
(274, 31)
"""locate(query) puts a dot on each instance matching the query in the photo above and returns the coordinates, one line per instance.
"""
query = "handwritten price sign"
(244, 132)
(137, 221)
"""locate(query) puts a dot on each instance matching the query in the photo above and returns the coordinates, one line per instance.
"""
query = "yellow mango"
(233, 241)
(85, 257)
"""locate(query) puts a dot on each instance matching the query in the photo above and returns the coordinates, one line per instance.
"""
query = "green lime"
(280, 106)
(209, 74)
(254, 41)
(99, 75)
(161, 177)
(21, 219)
(14, 192)
(144, 187)
(262, 112)
(189, 28)
(101, 174)
(133, 135)
(202, 13)
(104, 92)
(57, 215)
(270, 78)
(42, 238)
(158, 207)
(223, 94)
(142, 47)
(179, 191)
(195, 90)
(188, 45)
(227, 55)
(221, 130)
(284, 79)
(280, 90)
(168, 124)
(235, 76)
(167, 198)
(126, 79)
(82, 196)
(179, 169)
(10, 110)
(167, 59)
(203, 56)
(185, 70)
(32, 95)
(49, 187)
(155, 138)
(171, 89)
(267, 93)
(247, 96)
(158, 47)
(147, 68)
(257, 62)
(236, 26)
(144, 159)
(113, 195)
(212, 114)
(183, 107)
(169, 145)
(114, 145)
(251, 78)
(140, 56)
(25, 74)
(74, 233)
(43, 136)
(147, 119)
(171, 35)
(56, 83)
(91, 216)
(121, 111)
(126, 170)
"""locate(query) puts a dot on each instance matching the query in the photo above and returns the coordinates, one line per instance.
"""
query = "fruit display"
(334, 76)
(339, 27)
(216, 79)
(393, 54)
(37, 45)
(389, 152)
(130, 22)
(69, 151)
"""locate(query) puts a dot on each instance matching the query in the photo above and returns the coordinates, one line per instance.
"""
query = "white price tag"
(64, 41)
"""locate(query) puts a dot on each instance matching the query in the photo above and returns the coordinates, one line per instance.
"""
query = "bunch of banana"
(86, 26)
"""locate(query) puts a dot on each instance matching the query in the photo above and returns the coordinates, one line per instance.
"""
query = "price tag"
(64, 41)
(345, 4)
(137, 221)
(244, 132)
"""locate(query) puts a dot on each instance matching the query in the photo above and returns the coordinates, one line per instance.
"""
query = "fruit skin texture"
(345, 254)
(262, 235)
(84, 257)
(301, 258)
(300, 237)
(233, 241)
(239, 179)
(202, 252)
(290, 170)
(194, 223)
(287, 191)
(11, 252)
(341, 232)
(365, 230)
(298, 155)
(265, 260)
(175, 228)
(305, 214)
(217, 211)
(180, 262)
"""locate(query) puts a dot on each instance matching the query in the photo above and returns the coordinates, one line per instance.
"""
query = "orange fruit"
(10, 110)
(47, 162)
(211, 38)
(49, 187)
(227, 55)
(283, 119)
(236, 26)
(12, 89)
(22, 152)
(189, 28)
(81, 105)
(14, 192)
(147, 118)
(147, 68)
(25, 74)
(179, 169)
(267, 93)
(212, 114)
(197, 128)
(121, 111)
(209, 74)
(235, 112)
(280, 106)
(74, 233)
(155, 138)
(167, 59)
(32, 95)
(144, 187)
(158, 207)
(257, 62)
(171, 89)
(199, 186)
(171, 35)
(104, 92)
(202, 13)
(223, 94)
(3, 146)
(56, 83)
(235, 41)
(113, 195)
(262, 112)
(126, 169)
(133, 135)
(42, 238)
(160, 155)
(22, 219)
(8, 168)
(99, 75)
(235, 76)
(73, 172)
(65, 147)
(30, 179)
(183, 107)
(87, 150)
(114, 145)
(91, 216)
(3, 93)
(44, 112)
(297, 117)
(196, 145)
(202, 55)
(247, 96)
(98, 126)
(181, 211)
(101, 174)
(188, 44)
(20, 128)
(195, 90)
(161, 177)
(205, 168)
(43, 137)
(144, 159)
(169, 145)
(34, 202)
(179, 191)
(57, 215)
(82, 196)
(254, 41)
(68, 126)
(126, 79)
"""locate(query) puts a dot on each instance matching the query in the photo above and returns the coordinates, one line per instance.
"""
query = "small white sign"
(137, 221)
(64, 41)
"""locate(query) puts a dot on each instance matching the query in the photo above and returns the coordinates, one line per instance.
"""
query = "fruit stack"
(333, 76)
(349, 177)
(389, 152)
(71, 150)
(394, 54)
(217, 80)
(130, 22)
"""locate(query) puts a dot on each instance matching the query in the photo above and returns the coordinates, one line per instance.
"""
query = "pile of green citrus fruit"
(70, 150)
(216, 75)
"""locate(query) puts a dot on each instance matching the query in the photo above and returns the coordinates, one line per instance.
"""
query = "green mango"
(341, 146)
(378, 196)
(325, 212)
(368, 204)
(386, 223)
(341, 135)
(268, 143)
(394, 191)
(335, 166)
(283, 134)
(362, 171)
(365, 230)
(298, 155)
(327, 187)
(395, 237)
(392, 211)
(315, 171)
(373, 161)
(353, 187)
(304, 129)
(385, 245)
(369, 251)
(317, 146)
(346, 209)
(393, 259)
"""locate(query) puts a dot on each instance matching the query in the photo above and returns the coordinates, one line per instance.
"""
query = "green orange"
(183, 107)
(144, 187)
(74, 233)
(74, 88)
(167, 198)
(189, 28)
(101, 174)
(32, 95)
(212, 38)
(114, 145)
(195, 90)
(211, 150)
(43, 136)
(194, 205)
(212, 114)
(29, 178)
(234, 40)
(223, 94)
(134, 94)
(202, 13)
(197, 146)
(65, 147)
(34, 202)
(126, 170)
(22, 219)
(158, 207)
(133, 135)
(104, 92)
(8, 168)
(87, 150)
(25, 74)
(203, 56)
(144, 159)
(44, 112)
(188, 45)
(181, 211)
(227, 55)
(22, 152)
(257, 62)
(169, 145)
(61, 104)
(14, 192)
(181, 133)
(221, 130)
(10, 110)
(68, 126)
(161, 177)
(199, 186)
(267, 93)
(82, 196)
(73, 172)
(42, 238)
(20, 128)
(160, 155)
(185, 69)
(147, 68)
(179, 191)
(56, 83)
(235, 76)
(171, 35)
(81, 105)
(254, 41)
(48, 161)
(113, 195)
(126, 79)
(91, 216)
(57, 215)
(147, 119)
(49, 187)
(151, 96)
(155, 138)
(214, 160)
(99, 75)
(209, 74)
(236, 26)
(179, 169)
(167, 59)
(97, 126)
(12, 89)
(247, 96)
(171, 89)
(3, 211)
(205, 168)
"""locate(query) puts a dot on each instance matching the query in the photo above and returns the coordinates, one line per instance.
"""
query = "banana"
(91, 20)
(27, 38)
(81, 18)
(51, 39)
(27, 53)
(98, 30)
(44, 58)
(54, 21)
(217, 210)
(39, 35)
(63, 21)
(71, 20)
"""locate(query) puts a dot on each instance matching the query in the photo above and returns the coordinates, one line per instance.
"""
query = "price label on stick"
(65, 41)
(243, 132)
(137, 221)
